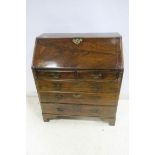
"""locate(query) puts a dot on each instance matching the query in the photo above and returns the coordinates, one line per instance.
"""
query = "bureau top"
(78, 35)
(78, 51)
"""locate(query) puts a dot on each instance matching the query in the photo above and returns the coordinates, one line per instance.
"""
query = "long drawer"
(82, 110)
(78, 86)
(79, 98)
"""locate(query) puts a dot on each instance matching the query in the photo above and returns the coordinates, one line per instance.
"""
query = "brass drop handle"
(96, 75)
(76, 95)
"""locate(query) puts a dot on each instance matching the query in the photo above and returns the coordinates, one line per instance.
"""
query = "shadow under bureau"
(78, 75)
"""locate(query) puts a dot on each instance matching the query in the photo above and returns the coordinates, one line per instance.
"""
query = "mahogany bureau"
(78, 75)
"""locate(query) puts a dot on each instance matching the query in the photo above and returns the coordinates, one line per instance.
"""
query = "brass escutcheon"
(77, 41)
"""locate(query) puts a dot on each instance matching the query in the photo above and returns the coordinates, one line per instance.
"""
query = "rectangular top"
(79, 35)
(78, 51)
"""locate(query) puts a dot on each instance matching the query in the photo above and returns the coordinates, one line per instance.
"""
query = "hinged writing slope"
(102, 51)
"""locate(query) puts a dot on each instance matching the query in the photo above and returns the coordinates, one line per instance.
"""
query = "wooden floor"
(76, 136)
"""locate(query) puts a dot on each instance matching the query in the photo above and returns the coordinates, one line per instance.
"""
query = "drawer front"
(84, 75)
(79, 98)
(97, 75)
(78, 86)
(82, 110)
(55, 75)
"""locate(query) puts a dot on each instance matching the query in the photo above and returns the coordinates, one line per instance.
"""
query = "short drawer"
(77, 74)
(55, 75)
(78, 86)
(79, 98)
(82, 110)
(97, 75)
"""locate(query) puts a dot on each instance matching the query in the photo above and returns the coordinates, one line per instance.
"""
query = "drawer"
(78, 86)
(79, 98)
(82, 110)
(79, 74)
(97, 75)
(49, 75)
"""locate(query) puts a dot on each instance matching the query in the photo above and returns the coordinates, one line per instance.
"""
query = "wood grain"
(78, 86)
(79, 98)
(97, 53)
(78, 80)
(82, 110)
(77, 74)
